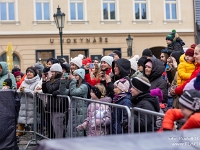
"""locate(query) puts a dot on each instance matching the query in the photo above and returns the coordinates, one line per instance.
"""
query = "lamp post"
(129, 41)
(59, 18)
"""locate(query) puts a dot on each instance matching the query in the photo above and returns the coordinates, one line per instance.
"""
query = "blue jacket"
(117, 118)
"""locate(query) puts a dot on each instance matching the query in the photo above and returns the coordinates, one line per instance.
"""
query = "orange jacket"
(175, 114)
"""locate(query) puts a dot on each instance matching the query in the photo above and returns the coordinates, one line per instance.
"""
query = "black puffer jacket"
(176, 46)
(54, 104)
(155, 77)
(144, 101)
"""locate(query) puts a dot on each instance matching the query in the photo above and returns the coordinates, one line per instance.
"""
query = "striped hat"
(190, 99)
(141, 84)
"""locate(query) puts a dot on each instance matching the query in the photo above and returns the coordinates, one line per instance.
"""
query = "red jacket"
(179, 89)
(94, 81)
(175, 114)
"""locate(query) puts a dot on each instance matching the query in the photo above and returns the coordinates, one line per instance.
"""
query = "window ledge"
(9, 22)
(77, 22)
(43, 22)
(142, 21)
(110, 22)
(172, 21)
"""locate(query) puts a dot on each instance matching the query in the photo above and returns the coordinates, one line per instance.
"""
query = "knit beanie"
(123, 84)
(17, 73)
(39, 66)
(147, 52)
(96, 91)
(190, 99)
(80, 72)
(141, 61)
(7, 82)
(86, 60)
(15, 69)
(77, 61)
(107, 59)
(81, 56)
(33, 70)
(189, 52)
(111, 54)
(56, 67)
(118, 53)
(134, 65)
(140, 84)
(171, 36)
(157, 92)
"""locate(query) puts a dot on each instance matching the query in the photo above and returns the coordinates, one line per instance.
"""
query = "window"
(76, 10)
(42, 10)
(109, 10)
(43, 55)
(170, 9)
(76, 52)
(140, 9)
(7, 11)
(16, 60)
(107, 51)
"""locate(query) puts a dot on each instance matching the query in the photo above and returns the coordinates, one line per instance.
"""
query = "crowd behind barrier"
(61, 117)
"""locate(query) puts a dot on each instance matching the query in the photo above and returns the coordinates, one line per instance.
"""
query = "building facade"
(92, 27)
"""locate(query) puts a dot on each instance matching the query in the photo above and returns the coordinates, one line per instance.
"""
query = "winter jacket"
(185, 70)
(88, 79)
(175, 114)
(179, 89)
(176, 46)
(26, 112)
(5, 74)
(117, 118)
(79, 107)
(144, 101)
(98, 118)
(155, 77)
(54, 104)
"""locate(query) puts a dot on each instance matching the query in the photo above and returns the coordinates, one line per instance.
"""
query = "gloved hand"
(55, 93)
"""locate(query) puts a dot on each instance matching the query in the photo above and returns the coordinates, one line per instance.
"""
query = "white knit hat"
(77, 61)
(80, 72)
(107, 59)
(56, 67)
(134, 65)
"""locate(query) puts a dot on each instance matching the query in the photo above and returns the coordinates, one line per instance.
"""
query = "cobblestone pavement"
(23, 141)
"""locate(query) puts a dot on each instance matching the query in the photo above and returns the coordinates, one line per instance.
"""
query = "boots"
(21, 128)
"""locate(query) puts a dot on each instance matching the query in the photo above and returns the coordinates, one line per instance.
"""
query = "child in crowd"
(189, 109)
(7, 84)
(121, 97)
(98, 115)
(186, 67)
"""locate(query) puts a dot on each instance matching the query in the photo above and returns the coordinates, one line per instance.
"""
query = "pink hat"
(123, 84)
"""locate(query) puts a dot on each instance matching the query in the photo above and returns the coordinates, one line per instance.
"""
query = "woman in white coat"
(26, 91)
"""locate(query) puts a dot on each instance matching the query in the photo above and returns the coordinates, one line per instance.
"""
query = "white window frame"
(16, 20)
(51, 21)
(77, 21)
(148, 12)
(178, 11)
(117, 16)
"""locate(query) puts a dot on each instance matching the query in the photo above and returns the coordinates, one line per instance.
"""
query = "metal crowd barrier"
(148, 121)
(103, 122)
(51, 116)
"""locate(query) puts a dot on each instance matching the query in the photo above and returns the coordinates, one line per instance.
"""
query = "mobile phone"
(91, 66)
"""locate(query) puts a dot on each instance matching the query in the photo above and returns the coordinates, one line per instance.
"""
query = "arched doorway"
(156, 51)
(16, 60)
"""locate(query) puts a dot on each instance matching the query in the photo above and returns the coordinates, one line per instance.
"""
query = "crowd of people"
(170, 83)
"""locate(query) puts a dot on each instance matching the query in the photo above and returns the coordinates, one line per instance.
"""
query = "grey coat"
(26, 112)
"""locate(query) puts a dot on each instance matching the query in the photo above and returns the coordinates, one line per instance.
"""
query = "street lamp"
(129, 41)
(59, 18)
